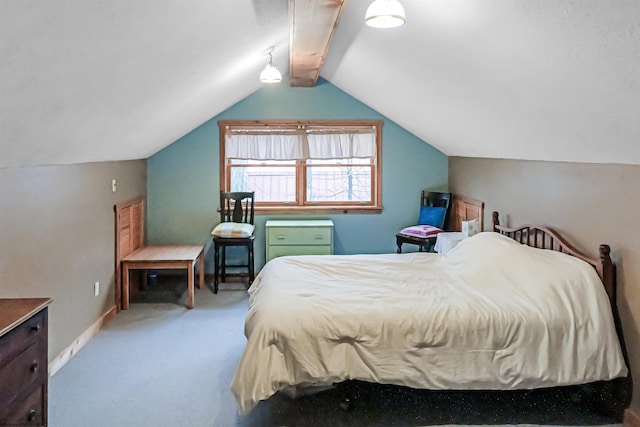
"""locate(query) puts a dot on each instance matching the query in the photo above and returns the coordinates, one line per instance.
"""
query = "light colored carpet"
(162, 365)
(156, 365)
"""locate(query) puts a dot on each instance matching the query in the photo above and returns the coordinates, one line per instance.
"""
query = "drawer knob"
(280, 237)
(32, 415)
(318, 237)
(35, 328)
(34, 366)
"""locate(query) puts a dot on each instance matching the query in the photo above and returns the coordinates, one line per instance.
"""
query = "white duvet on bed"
(490, 314)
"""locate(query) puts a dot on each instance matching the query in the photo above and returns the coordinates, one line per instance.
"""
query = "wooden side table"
(162, 258)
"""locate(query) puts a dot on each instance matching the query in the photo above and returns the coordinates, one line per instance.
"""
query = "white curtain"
(293, 145)
(342, 146)
(265, 146)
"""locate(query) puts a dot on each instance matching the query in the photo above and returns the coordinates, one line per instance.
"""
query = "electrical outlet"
(113, 185)
(96, 288)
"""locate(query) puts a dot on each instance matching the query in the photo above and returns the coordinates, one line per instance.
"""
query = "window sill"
(294, 210)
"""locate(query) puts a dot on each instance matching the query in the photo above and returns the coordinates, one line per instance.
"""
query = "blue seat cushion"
(432, 216)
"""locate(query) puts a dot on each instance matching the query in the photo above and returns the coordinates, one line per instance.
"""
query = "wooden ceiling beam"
(312, 24)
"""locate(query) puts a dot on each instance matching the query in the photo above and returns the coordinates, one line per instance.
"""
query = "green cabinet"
(298, 237)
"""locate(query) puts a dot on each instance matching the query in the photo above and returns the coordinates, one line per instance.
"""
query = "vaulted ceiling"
(85, 81)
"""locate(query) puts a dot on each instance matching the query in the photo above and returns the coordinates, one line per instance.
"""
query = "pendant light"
(385, 14)
(270, 74)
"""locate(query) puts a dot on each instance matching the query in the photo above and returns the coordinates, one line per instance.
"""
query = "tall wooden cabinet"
(23, 361)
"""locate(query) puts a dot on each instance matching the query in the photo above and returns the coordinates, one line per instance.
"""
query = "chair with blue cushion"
(434, 207)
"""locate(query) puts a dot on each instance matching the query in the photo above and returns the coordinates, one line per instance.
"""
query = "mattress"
(489, 314)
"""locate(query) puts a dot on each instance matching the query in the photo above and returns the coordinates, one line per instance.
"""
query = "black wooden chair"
(434, 208)
(236, 228)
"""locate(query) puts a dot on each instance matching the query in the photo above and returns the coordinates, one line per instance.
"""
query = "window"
(310, 166)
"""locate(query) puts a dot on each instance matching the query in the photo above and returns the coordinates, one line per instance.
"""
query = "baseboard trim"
(631, 418)
(56, 364)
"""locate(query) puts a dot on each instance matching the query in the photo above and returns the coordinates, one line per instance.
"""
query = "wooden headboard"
(464, 209)
(129, 235)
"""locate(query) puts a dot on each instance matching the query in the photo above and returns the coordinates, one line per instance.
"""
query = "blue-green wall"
(184, 181)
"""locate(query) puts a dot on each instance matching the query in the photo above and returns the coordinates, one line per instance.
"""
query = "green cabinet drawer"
(298, 237)
(276, 251)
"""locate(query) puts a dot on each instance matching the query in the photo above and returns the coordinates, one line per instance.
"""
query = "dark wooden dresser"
(23, 361)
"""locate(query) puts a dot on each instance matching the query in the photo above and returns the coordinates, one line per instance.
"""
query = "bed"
(510, 309)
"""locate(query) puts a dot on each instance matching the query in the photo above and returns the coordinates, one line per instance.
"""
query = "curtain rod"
(300, 128)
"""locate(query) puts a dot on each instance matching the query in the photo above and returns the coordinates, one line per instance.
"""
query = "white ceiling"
(85, 81)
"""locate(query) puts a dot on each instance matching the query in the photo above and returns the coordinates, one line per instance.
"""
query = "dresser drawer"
(24, 372)
(30, 411)
(276, 251)
(299, 236)
(23, 361)
(23, 336)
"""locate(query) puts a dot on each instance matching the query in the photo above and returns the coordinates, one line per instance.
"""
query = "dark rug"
(354, 403)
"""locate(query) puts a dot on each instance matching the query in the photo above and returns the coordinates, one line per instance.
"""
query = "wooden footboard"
(129, 236)
(547, 238)
(615, 395)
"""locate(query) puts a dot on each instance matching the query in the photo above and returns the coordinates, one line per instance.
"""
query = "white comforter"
(490, 314)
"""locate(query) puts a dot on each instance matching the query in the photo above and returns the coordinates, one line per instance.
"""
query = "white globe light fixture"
(385, 14)
(270, 74)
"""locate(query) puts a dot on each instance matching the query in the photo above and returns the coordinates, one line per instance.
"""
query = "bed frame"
(464, 209)
(129, 216)
(547, 238)
(611, 396)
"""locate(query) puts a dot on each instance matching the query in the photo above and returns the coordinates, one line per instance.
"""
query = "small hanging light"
(385, 14)
(270, 74)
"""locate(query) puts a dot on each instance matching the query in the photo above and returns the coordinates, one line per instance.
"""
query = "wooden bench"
(132, 254)
(164, 257)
